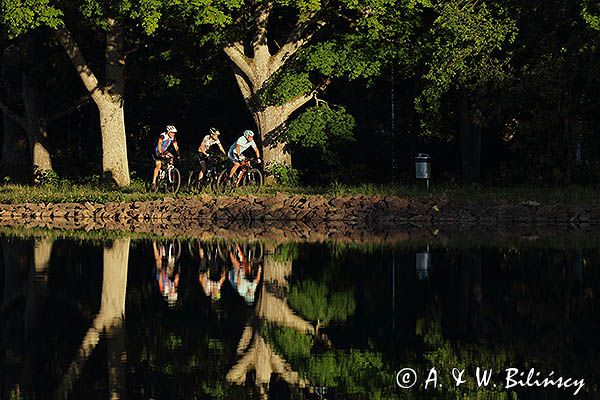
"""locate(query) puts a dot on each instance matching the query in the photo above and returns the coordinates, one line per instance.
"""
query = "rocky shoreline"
(314, 218)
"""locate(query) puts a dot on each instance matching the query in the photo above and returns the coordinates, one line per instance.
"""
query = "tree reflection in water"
(309, 321)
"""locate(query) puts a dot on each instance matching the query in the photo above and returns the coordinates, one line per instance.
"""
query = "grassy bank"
(66, 191)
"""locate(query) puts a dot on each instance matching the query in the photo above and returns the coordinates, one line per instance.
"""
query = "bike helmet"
(214, 131)
(171, 128)
(248, 133)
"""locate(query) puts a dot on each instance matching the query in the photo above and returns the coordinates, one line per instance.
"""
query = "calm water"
(193, 320)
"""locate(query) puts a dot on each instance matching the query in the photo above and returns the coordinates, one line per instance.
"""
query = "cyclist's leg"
(157, 165)
(202, 168)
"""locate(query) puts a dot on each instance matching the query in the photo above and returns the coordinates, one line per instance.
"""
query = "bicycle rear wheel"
(253, 181)
(148, 183)
(172, 181)
(224, 185)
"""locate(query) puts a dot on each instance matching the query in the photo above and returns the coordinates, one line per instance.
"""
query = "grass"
(68, 191)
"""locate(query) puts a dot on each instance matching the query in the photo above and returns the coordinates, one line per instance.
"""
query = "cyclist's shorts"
(234, 157)
(156, 157)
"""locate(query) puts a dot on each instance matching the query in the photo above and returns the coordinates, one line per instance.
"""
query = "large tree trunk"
(37, 135)
(114, 144)
(270, 122)
(109, 98)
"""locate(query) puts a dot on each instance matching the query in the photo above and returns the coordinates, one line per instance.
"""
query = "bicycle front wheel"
(173, 181)
(224, 185)
(253, 181)
(192, 182)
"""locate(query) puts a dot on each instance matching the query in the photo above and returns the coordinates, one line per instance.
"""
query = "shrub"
(284, 174)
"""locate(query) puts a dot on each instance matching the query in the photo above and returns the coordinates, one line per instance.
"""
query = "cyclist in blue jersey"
(242, 144)
(161, 150)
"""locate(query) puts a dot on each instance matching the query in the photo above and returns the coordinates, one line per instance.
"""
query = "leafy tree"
(283, 53)
(110, 21)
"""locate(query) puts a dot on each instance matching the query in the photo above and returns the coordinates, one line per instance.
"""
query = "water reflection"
(238, 320)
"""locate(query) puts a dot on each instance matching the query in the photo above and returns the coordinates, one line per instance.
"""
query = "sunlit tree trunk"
(109, 98)
(37, 135)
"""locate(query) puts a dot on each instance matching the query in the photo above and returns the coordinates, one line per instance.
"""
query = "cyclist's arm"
(238, 150)
(160, 152)
(201, 148)
(176, 146)
(257, 153)
(222, 149)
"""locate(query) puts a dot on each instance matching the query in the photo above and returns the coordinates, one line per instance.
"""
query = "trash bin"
(423, 167)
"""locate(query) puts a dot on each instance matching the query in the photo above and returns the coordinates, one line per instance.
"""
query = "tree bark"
(108, 98)
(35, 127)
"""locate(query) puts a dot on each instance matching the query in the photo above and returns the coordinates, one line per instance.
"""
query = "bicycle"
(210, 177)
(168, 178)
(248, 178)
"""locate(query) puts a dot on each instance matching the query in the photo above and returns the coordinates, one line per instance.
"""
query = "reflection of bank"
(254, 352)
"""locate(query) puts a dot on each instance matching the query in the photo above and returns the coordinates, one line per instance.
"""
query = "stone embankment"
(296, 217)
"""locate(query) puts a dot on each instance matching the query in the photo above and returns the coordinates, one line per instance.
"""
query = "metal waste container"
(423, 167)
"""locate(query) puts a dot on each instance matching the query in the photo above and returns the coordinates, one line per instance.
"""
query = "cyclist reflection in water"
(239, 275)
(211, 287)
(167, 274)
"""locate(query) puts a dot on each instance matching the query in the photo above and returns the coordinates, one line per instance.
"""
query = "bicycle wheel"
(224, 185)
(148, 183)
(194, 185)
(172, 180)
(253, 181)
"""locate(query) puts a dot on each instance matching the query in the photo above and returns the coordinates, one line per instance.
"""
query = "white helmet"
(171, 128)
(248, 133)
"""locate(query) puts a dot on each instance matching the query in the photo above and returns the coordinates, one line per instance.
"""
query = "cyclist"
(161, 150)
(203, 155)
(241, 145)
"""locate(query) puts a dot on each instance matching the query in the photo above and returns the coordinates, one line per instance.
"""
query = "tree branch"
(12, 113)
(298, 37)
(66, 111)
(235, 52)
(289, 107)
(261, 19)
(79, 62)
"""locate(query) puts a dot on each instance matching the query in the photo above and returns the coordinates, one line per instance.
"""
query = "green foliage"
(284, 174)
(320, 125)
(591, 13)
(20, 16)
(44, 176)
(292, 344)
(466, 48)
(354, 372)
(315, 301)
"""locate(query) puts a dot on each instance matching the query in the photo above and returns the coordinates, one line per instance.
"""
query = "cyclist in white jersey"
(203, 155)
(242, 144)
